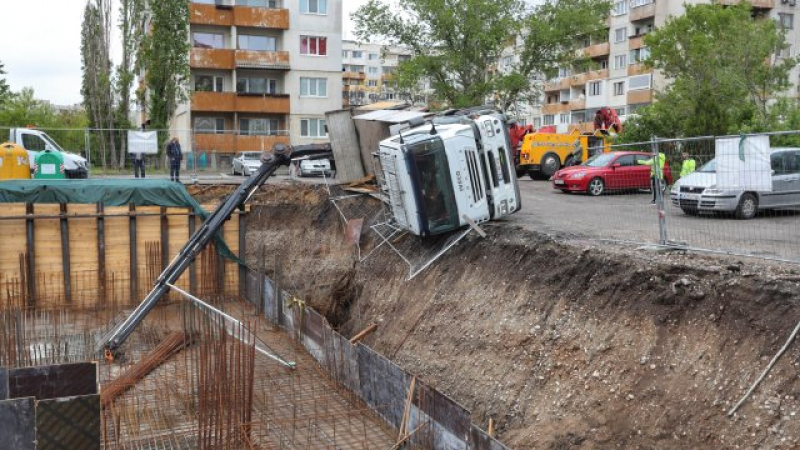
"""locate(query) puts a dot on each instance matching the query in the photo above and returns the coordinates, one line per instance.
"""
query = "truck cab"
(35, 141)
(441, 177)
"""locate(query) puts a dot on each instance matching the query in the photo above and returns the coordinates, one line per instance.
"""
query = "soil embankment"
(564, 345)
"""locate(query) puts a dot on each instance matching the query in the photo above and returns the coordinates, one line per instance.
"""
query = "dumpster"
(14, 162)
(49, 166)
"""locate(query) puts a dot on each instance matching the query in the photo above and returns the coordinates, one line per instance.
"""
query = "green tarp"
(109, 192)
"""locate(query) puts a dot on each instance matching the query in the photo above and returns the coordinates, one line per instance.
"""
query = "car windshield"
(709, 167)
(433, 177)
(52, 142)
(599, 160)
(252, 155)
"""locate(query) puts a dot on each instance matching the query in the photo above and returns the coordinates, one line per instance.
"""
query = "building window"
(620, 34)
(639, 82)
(639, 55)
(313, 87)
(313, 128)
(253, 85)
(316, 46)
(579, 117)
(549, 119)
(619, 88)
(256, 3)
(373, 56)
(314, 7)
(372, 83)
(620, 8)
(373, 70)
(786, 21)
(564, 118)
(620, 61)
(638, 3)
(358, 54)
(207, 83)
(209, 125)
(537, 123)
(259, 127)
(595, 88)
(208, 40)
(257, 43)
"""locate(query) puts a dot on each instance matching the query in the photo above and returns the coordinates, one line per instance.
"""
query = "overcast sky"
(40, 46)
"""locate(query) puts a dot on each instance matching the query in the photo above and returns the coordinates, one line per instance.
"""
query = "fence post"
(88, 146)
(659, 194)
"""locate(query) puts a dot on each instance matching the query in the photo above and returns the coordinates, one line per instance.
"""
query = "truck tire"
(550, 164)
(748, 207)
(520, 171)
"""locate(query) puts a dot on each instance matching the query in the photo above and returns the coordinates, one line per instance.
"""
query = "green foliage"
(723, 71)
(165, 58)
(22, 109)
(457, 43)
(131, 13)
(5, 90)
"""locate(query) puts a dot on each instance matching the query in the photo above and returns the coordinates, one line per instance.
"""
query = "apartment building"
(368, 73)
(262, 72)
(618, 78)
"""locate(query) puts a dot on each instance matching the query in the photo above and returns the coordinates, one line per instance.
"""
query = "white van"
(697, 192)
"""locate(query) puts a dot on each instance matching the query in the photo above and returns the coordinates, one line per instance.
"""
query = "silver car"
(697, 192)
(245, 163)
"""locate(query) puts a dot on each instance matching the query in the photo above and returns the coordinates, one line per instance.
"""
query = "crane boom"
(116, 337)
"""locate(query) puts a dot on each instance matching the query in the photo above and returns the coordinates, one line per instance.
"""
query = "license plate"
(687, 196)
(558, 181)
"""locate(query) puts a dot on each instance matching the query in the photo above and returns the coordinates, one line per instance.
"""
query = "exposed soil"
(564, 344)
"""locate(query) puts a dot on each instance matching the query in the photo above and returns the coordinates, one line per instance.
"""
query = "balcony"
(643, 12)
(213, 101)
(638, 69)
(558, 84)
(640, 96)
(250, 59)
(581, 79)
(267, 103)
(245, 16)
(577, 104)
(211, 58)
(597, 50)
(636, 42)
(200, 14)
(582, 127)
(758, 4)
(232, 143)
(354, 76)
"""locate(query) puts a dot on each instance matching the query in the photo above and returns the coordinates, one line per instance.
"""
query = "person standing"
(689, 164)
(138, 164)
(175, 156)
(656, 178)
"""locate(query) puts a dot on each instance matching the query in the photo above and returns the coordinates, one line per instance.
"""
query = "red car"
(615, 171)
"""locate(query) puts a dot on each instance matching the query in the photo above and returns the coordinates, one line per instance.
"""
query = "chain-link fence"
(733, 194)
(107, 151)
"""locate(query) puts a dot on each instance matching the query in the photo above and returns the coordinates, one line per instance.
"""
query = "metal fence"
(737, 195)
(204, 151)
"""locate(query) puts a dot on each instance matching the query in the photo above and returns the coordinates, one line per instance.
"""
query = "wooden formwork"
(112, 254)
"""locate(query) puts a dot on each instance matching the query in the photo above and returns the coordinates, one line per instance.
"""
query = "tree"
(722, 69)
(22, 109)
(165, 59)
(456, 43)
(5, 90)
(130, 23)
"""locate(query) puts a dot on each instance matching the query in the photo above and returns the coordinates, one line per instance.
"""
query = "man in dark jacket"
(175, 156)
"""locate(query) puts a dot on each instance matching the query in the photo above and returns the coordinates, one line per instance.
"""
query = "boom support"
(202, 237)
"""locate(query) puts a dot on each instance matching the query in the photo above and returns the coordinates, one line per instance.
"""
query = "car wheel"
(596, 186)
(550, 165)
(690, 211)
(565, 191)
(748, 207)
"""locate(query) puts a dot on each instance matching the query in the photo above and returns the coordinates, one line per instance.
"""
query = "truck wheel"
(520, 172)
(550, 164)
(596, 187)
(748, 207)
(534, 174)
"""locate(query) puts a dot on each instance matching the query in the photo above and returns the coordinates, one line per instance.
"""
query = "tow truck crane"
(281, 156)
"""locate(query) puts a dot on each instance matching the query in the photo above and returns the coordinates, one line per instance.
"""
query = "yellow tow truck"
(542, 154)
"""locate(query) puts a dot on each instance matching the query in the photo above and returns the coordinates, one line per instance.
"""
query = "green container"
(49, 166)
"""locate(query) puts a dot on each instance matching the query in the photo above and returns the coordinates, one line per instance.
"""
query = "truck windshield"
(52, 142)
(438, 201)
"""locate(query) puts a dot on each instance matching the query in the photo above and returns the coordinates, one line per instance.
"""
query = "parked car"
(315, 167)
(245, 163)
(614, 171)
(698, 192)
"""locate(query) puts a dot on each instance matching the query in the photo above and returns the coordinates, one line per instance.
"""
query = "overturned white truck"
(442, 173)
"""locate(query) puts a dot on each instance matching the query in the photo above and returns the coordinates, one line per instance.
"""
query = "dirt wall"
(565, 345)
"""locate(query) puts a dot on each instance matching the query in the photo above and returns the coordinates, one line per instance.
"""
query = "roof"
(391, 116)
(388, 104)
